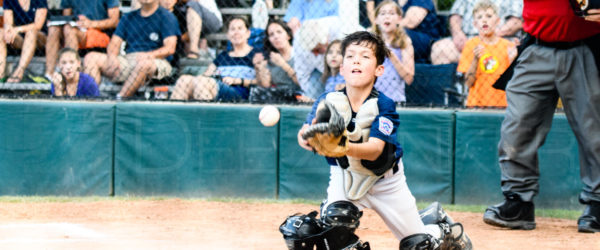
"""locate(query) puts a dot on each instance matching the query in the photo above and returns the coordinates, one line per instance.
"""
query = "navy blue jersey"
(22, 17)
(92, 9)
(384, 126)
(144, 34)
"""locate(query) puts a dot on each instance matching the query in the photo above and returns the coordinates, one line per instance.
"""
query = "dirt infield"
(185, 224)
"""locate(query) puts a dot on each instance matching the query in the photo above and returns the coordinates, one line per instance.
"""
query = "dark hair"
(367, 39)
(268, 47)
(243, 18)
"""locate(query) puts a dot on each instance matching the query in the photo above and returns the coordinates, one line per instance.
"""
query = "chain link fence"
(443, 53)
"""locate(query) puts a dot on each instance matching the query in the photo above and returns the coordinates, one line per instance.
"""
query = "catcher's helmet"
(299, 231)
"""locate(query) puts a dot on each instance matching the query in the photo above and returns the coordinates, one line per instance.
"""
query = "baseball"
(269, 115)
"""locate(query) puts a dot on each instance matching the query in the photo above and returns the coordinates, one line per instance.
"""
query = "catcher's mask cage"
(305, 232)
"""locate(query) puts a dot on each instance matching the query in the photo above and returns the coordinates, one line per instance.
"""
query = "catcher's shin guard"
(453, 235)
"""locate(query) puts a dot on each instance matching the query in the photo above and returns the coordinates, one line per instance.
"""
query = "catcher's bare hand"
(304, 143)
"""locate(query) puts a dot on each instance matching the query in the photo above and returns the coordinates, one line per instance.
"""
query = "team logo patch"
(385, 126)
(153, 36)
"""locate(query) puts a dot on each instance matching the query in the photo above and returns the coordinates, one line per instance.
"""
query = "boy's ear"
(379, 70)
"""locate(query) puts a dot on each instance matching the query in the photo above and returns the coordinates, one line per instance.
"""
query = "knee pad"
(341, 214)
(419, 242)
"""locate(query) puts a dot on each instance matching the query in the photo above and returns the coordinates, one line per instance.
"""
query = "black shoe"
(589, 222)
(513, 213)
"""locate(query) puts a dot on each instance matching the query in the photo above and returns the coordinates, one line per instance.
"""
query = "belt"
(558, 45)
(395, 169)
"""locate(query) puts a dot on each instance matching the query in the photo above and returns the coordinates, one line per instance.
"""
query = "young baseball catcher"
(355, 129)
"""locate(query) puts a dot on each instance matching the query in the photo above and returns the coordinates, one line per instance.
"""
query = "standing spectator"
(275, 67)
(400, 64)
(421, 24)
(25, 29)
(461, 20)
(310, 45)
(301, 10)
(69, 80)
(561, 61)
(96, 20)
(230, 75)
(485, 57)
(151, 36)
(331, 77)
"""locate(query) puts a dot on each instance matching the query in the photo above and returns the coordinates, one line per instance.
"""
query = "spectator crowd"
(292, 58)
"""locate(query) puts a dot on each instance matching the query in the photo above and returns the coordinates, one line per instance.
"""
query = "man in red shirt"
(560, 62)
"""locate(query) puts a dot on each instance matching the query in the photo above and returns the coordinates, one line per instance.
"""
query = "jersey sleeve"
(386, 123)
(313, 111)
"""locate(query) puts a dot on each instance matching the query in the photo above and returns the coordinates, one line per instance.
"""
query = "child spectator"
(230, 75)
(448, 50)
(275, 67)
(331, 77)
(96, 22)
(25, 29)
(485, 57)
(400, 65)
(69, 80)
(421, 24)
(151, 36)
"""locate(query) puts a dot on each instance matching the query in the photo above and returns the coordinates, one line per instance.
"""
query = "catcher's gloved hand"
(328, 135)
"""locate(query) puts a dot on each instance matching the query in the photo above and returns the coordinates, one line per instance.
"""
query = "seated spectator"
(301, 10)
(421, 24)
(69, 80)
(310, 46)
(399, 67)
(275, 66)
(230, 75)
(151, 36)
(205, 18)
(96, 22)
(23, 29)
(331, 77)
(485, 57)
(461, 21)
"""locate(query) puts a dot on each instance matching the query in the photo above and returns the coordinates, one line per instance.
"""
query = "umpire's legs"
(532, 99)
(579, 86)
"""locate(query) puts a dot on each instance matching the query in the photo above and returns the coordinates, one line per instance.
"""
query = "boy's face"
(486, 21)
(359, 66)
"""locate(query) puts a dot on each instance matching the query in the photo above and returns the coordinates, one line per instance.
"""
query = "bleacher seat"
(429, 83)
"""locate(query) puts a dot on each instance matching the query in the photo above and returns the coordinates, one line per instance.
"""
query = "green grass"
(550, 213)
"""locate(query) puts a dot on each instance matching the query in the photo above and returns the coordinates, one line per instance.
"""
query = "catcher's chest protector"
(357, 178)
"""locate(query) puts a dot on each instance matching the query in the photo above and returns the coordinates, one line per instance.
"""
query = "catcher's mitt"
(328, 135)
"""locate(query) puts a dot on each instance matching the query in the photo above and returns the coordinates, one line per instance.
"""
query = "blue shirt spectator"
(305, 10)
(147, 33)
(92, 9)
(236, 67)
(86, 87)
(333, 81)
(22, 17)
